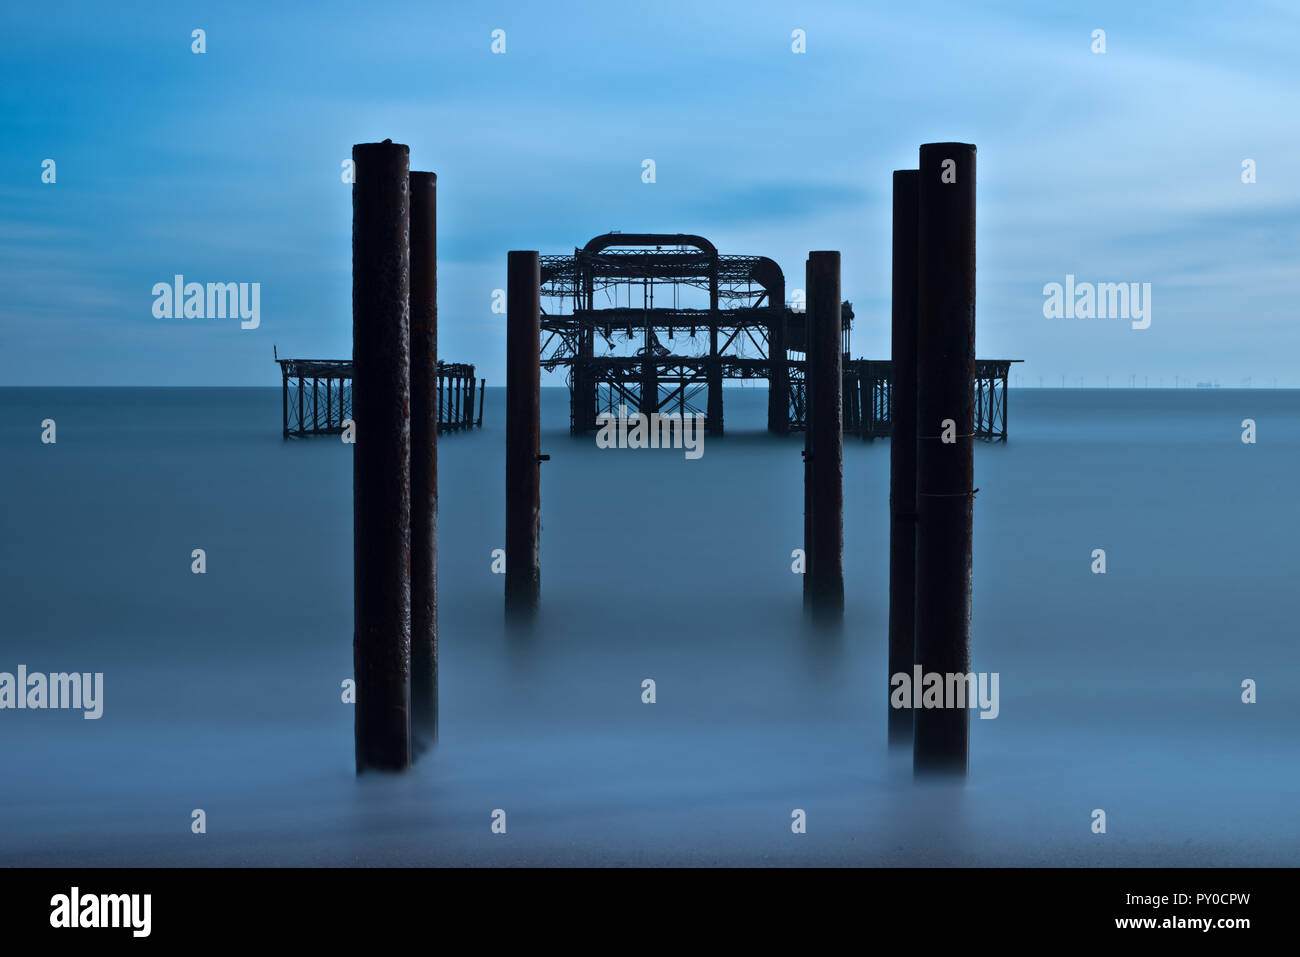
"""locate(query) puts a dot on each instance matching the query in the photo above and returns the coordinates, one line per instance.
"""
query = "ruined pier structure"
(656, 322)
(317, 396)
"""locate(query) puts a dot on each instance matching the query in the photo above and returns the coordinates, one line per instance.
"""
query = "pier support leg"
(523, 433)
(582, 412)
(902, 453)
(382, 455)
(778, 395)
(713, 409)
(649, 386)
(424, 461)
(945, 370)
(824, 442)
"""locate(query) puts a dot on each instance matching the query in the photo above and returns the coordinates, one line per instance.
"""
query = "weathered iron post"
(584, 382)
(424, 460)
(902, 452)
(381, 476)
(945, 490)
(713, 371)
(523, 433)
(778, 396)
(649, 403)
(824, 442)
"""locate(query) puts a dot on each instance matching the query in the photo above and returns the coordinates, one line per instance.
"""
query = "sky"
(225, 166)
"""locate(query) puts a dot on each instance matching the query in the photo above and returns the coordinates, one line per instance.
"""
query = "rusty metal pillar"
(824, 442)
(902, 452)
(523, 433)
(778, 394)
(713, 408)
(590, 387)
(582, 412)
(945, 369)
(649, 398)
(381, 503)
(424, 460)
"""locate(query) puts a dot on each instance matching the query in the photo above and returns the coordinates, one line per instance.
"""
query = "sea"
(224, 692)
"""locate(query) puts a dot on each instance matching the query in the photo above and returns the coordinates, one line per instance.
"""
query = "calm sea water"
(222, 691)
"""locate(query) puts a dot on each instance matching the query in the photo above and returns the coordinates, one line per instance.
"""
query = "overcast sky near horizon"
(225, 166)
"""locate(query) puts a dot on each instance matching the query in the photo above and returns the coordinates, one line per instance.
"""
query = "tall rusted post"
(945, 369)
(583, 409)
(482, 387)
(902, 453)
(424, 460)
(778, 380)
(824, 443)
(649, 400)
(523, 433)
(381, 476)
(713, 370)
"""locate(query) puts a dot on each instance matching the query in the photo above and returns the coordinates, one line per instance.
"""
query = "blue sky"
(1115, 167)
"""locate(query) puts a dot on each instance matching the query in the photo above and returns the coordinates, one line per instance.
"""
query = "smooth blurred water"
(222, 691)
